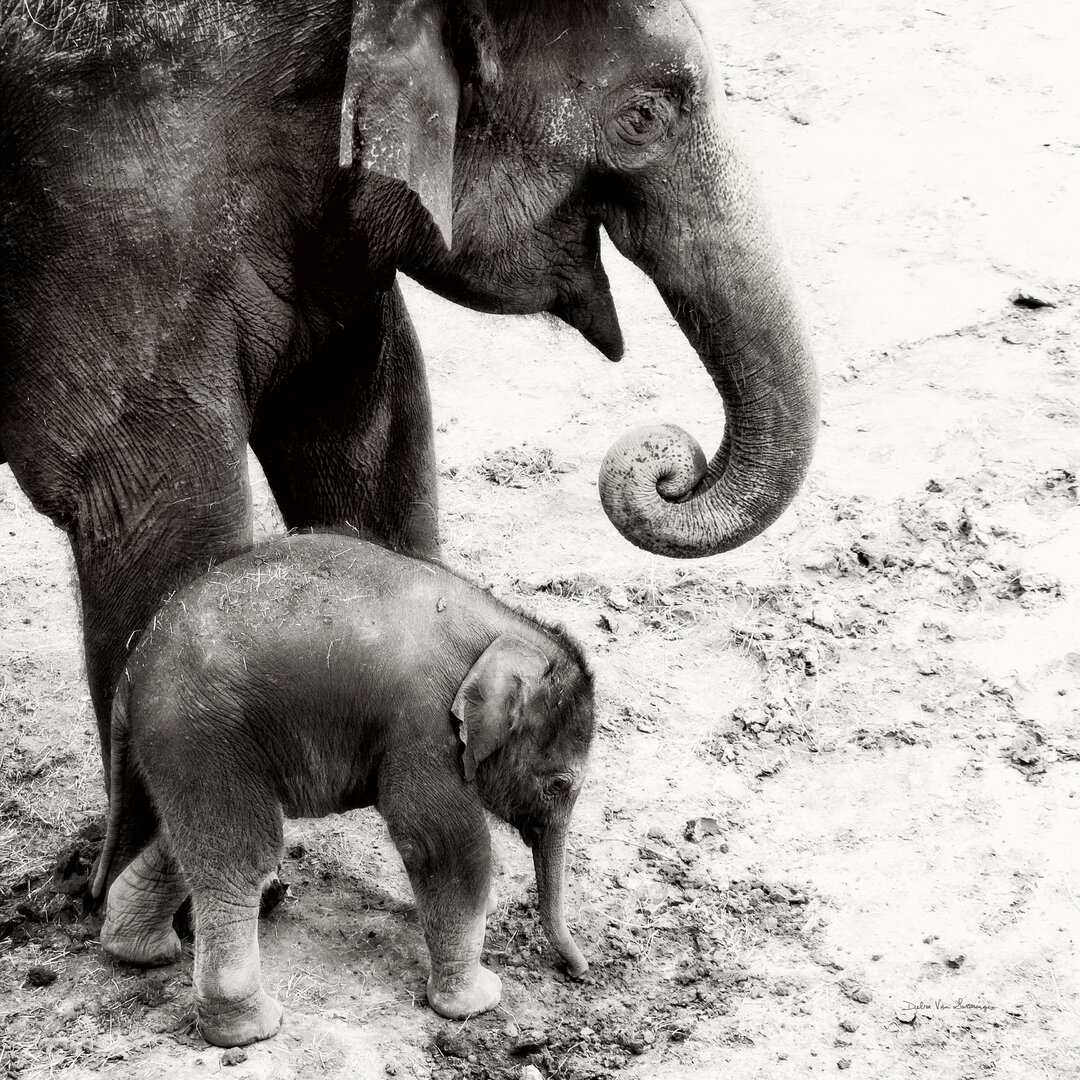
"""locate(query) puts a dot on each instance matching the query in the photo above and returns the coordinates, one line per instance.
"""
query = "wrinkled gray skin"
(202, 209)
(314, 675)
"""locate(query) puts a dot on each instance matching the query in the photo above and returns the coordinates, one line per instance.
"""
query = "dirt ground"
(833, 817)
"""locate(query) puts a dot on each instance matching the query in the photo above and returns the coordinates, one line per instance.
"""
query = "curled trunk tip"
(662, 494)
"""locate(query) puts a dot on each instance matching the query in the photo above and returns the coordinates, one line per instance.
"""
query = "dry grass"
(521, 466)
(45, 797)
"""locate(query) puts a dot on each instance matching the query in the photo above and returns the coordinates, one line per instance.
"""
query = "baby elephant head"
(526, 721)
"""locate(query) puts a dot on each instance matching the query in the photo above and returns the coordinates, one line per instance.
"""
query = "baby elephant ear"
(490, 701)
(401, 98)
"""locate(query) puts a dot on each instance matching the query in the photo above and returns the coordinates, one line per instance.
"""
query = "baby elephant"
(314, 675)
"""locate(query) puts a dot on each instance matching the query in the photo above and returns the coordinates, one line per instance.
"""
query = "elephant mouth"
(530, 835)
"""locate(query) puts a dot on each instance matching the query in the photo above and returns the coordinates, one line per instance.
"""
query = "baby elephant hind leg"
(142, 901)
(226, 861)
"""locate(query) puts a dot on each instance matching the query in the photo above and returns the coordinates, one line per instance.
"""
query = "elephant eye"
(559, 785)
(642, 127)
(640, 121)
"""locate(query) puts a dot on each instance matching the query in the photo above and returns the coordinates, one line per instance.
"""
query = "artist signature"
(939, 1004)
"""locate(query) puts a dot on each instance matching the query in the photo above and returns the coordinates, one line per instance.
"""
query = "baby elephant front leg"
(459, 985)
(448, 859)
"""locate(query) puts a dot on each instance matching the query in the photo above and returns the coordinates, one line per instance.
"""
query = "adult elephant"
(204, 203)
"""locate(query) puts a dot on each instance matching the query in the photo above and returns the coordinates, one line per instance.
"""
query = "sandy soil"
(833, 816)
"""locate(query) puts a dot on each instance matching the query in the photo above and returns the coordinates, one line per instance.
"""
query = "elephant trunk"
(549, 860)
(699, 231)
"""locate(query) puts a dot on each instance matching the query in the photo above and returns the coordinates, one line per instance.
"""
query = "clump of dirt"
(75, 863)
(963, 530)
(521, 466)
(137, 993)
(889, 736)
(38, 903)
(670, 609)
(775, 643)
(39, 975)
(576, 586)
(1030, 755)
(762, 735)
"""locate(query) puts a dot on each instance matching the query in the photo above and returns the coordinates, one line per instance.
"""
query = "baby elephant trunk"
(549, 859)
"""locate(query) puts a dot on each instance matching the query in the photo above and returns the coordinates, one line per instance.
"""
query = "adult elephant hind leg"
(346, 439)
(440, 831)
(142, 901)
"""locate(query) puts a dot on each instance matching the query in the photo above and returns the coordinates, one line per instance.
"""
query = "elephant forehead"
(652, 45)
(676, 17)
(672, 41)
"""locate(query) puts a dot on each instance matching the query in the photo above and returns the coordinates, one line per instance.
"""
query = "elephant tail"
(117, 770)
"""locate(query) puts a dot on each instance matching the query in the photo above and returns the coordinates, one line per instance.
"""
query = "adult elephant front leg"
(345, 438)
(151, 512)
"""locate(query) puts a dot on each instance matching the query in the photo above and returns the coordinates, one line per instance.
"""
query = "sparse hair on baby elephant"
(314, 675)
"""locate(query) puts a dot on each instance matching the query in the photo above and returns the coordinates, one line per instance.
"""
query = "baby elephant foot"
(482, 993)
(238, 1024)
(139, 910)
(142, 947)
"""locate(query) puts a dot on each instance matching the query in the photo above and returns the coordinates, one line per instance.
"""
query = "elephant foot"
(140, 907)
(144, 948)
(482, 994)
(228, 1024)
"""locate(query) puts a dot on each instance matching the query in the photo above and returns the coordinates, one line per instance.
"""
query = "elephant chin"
(597, 321)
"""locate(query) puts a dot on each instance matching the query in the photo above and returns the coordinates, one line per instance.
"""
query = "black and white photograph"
(539, 539)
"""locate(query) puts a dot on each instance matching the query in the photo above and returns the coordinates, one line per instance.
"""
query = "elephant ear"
(401, 99)
(491, 700)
